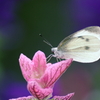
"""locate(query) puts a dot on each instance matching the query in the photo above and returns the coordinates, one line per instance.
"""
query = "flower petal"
(25, 65)
(37, 91)
(35, 68)
(67, 97)
(54, 71)
(24, 98)
(39, 60)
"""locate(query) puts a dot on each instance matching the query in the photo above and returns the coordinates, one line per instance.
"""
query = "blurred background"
(21, 21)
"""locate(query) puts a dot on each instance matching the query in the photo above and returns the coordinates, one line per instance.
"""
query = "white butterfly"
(83, 46)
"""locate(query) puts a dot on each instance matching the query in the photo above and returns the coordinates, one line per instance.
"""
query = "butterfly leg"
(58, 59)
(49, 57)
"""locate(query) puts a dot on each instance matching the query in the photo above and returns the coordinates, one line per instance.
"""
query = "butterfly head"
(56, 52)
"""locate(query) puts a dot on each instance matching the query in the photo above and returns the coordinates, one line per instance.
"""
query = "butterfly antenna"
(46, 41)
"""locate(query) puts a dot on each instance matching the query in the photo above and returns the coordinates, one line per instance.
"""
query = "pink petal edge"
(67, 97)
(24, 98)
(25, 66)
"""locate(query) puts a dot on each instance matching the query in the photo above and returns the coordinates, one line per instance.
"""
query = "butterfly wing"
(82, 46)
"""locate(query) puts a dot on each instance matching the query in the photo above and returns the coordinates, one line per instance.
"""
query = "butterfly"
(82, 46)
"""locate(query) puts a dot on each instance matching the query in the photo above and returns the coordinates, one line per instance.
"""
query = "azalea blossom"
(40, 75)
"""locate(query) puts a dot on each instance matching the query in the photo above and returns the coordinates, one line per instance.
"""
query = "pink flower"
(24, 98)
(67, 97)
(41, 76)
